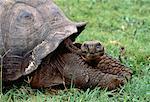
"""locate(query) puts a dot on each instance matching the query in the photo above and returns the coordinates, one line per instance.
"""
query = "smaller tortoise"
(93, 53)
(67, 67)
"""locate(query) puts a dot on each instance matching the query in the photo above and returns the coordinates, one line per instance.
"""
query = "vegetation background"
(116, 23)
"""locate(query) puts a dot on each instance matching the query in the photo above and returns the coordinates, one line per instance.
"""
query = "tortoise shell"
(31, 26)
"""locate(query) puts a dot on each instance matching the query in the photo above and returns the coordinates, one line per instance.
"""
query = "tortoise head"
(92, 49)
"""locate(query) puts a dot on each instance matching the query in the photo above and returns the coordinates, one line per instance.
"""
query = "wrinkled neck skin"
(73, 47)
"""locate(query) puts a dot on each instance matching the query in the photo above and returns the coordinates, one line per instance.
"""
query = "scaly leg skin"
(109, 65)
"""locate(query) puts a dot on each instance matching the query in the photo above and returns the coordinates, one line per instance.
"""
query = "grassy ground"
(116, 23)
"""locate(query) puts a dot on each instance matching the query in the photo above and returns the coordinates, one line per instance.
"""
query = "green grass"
(115, 23)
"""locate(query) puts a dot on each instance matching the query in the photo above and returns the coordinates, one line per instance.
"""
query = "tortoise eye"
(98, 46)
(84, 48)
(85, 45)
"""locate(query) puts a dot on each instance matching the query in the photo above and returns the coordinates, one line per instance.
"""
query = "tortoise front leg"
(110, 65)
